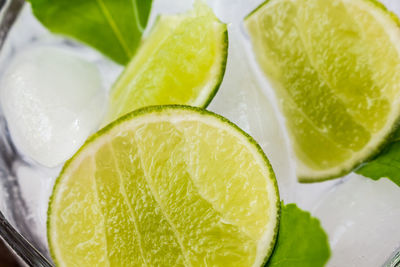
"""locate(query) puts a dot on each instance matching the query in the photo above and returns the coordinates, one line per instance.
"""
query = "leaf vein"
(114, 28)
(137, 16)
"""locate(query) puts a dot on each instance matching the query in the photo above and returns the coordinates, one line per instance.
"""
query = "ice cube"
(241, 100)
(52, 101)
(36, 185)
(361, 218)
(234, 11)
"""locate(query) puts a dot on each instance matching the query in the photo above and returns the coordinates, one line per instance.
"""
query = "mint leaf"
(114, 27)
(386, 164)
(301, 240)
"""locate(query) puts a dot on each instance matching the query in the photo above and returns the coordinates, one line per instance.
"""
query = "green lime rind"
(385, 10)
(376, 152)
(221, 74)
(374, 148)
(276, 230)
(256, 9)
(162, 109)
(379, 148)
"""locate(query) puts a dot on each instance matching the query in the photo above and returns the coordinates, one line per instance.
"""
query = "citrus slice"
(181, 62)
(335, 69)
(165, 186)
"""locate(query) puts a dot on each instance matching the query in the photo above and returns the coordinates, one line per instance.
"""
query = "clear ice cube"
(361, 218)
(52, 100)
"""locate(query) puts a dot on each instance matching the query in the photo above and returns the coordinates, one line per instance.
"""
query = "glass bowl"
(361, 216)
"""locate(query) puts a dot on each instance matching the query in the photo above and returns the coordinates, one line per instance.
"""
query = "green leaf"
(301, 240)
(114, 27)
(386, 164)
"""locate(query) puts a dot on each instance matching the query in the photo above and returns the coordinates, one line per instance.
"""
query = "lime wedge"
(181, 62)
(165, 186)
(335, 68)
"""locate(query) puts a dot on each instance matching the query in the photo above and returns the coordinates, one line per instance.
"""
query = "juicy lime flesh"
(181, 62)
(336, 72)
(192, 192)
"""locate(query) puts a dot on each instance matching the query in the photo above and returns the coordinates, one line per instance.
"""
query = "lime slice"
(165, 186)
(335, 68)
(181, 62)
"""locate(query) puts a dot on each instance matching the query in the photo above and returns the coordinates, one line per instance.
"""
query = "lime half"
(165, 186)
(181, 62)
(335, 69)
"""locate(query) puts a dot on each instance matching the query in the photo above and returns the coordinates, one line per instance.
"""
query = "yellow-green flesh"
(335, 68)
(181, 62)
(165, 187)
